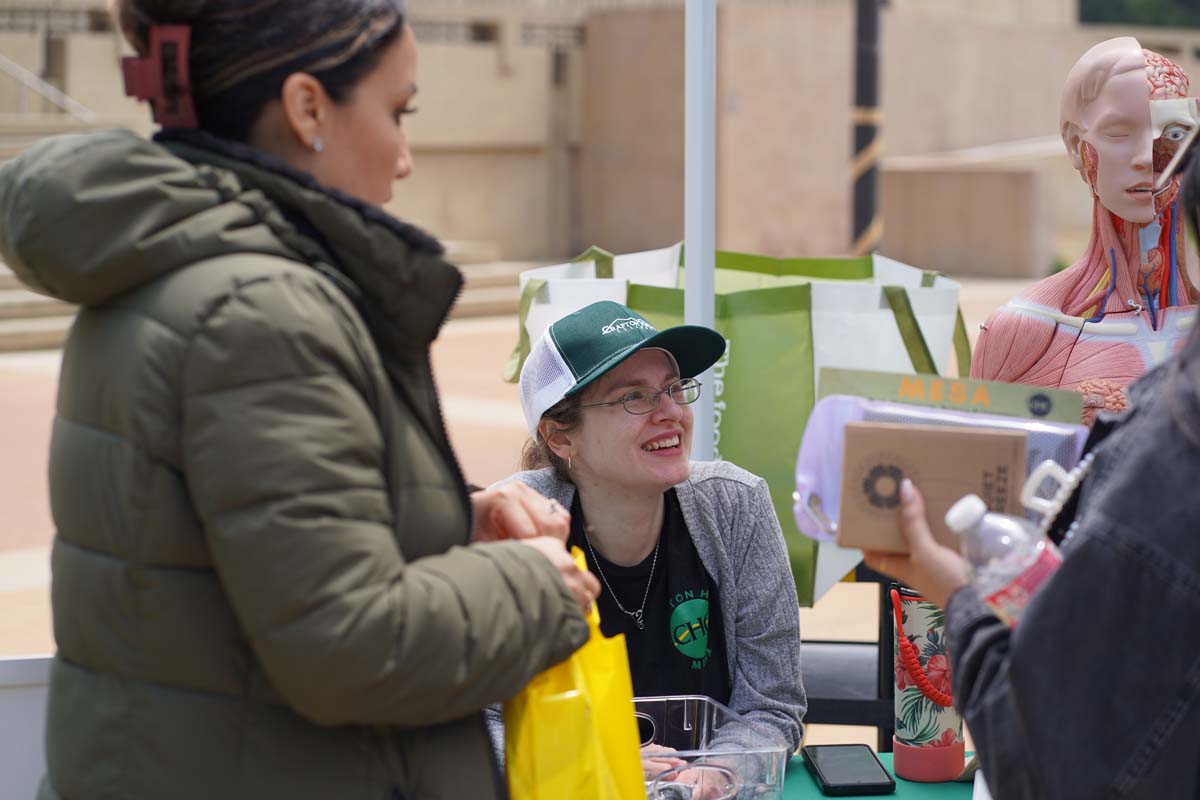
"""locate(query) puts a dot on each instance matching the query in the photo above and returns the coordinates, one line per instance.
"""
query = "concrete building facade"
(548, 125)
(955, 77)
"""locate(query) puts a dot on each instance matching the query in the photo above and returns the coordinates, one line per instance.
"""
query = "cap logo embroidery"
(622, 324)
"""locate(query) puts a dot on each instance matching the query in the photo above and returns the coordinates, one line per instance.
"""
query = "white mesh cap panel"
(545, 379)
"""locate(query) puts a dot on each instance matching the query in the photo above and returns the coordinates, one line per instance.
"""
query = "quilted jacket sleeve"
(285, 463)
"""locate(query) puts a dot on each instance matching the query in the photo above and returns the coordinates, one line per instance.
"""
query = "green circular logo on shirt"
(689, 628)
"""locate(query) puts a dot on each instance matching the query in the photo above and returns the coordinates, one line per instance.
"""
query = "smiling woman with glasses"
(690, 556)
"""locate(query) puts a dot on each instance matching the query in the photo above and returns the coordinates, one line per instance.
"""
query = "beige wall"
(951, 81)
(23, 48)
(534, 170)
(92, 72)
(631, 162)
(961, 221)
(494, 140)
(481, 95)
(494, 145)
(1027, 14)
(784, 129)
(26, 51)
(949, 84)
(497, 199)
(783, 136)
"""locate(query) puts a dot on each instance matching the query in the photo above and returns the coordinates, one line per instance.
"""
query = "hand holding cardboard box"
(944, 463)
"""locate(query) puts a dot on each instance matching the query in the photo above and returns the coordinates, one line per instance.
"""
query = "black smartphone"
(847, 769)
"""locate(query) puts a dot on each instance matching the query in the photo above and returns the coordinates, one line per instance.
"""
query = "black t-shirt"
(681, 650)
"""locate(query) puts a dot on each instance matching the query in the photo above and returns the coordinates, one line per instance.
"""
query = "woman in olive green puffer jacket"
(265, 583)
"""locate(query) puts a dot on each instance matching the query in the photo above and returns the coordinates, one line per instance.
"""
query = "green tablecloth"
(799, 785)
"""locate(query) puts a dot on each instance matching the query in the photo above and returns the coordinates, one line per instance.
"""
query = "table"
(799, 785)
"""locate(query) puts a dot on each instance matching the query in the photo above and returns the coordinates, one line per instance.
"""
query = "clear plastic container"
(724, 756)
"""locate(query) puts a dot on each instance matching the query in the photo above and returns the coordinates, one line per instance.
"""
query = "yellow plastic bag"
(571, 732)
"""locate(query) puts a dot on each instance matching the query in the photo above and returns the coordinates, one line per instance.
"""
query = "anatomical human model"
(1127, 303)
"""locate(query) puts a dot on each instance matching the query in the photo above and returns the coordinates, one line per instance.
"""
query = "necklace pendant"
(637, 617)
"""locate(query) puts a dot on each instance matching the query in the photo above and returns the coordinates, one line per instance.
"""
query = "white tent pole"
(699, 188)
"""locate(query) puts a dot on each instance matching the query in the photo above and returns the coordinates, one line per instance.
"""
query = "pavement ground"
(486, 426)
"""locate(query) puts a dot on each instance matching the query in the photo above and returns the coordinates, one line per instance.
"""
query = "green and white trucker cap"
(582, 346)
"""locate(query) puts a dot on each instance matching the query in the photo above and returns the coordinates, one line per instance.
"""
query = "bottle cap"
(965, 514)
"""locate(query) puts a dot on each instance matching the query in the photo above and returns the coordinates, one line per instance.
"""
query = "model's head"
(1124, 111)
(321, 83)
(608, 395)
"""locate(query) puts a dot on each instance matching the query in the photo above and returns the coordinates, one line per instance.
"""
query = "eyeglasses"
(643, 400)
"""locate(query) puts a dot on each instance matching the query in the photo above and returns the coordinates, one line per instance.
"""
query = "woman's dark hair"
(536, 454)
(243, 50)
(1184, 384)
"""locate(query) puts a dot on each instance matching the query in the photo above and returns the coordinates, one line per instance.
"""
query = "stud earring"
(318, 145)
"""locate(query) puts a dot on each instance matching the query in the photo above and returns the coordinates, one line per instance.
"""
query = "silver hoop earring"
(568, 463)
(318, 145)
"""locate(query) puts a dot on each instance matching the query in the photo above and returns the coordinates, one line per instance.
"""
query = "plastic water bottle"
(1010, 558)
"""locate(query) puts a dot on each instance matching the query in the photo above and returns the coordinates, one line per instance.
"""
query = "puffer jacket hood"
(85, 218)
(88, 217)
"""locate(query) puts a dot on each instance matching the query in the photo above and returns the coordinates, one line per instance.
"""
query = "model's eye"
(1175, 133)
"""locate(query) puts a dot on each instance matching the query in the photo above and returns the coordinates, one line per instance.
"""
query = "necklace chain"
(637, 615)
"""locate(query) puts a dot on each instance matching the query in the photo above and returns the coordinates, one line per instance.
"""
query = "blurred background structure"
(550, 125)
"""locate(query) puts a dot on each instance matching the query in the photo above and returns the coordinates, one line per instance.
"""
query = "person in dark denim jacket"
(1096, 693)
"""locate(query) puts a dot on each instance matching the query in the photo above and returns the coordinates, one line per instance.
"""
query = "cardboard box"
(944, 463)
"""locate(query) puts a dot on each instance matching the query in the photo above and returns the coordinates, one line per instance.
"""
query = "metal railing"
(28, 82)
